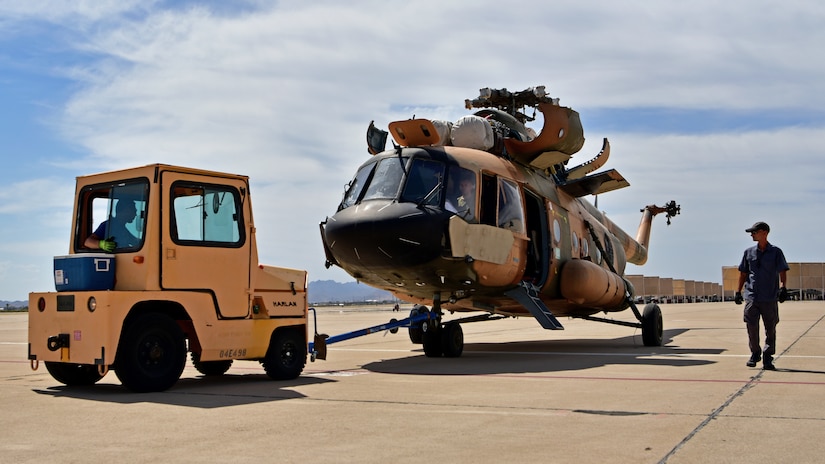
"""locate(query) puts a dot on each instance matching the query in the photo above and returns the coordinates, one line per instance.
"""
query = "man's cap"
(759, 226)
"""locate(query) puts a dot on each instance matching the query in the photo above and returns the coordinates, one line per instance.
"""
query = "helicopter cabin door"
(538, 249)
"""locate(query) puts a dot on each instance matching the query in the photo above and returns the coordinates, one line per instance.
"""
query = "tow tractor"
(162, 261)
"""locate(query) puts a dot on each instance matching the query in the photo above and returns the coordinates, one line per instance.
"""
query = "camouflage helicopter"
(483, 215)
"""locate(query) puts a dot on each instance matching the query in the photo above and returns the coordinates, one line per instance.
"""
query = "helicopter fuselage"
(464, 226)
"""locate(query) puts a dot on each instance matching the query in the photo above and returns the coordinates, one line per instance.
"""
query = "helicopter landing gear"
(443, 340)
(439, 339)
(652, 327)
(416, 330)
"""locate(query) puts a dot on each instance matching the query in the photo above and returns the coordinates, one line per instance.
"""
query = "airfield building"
(670, 290)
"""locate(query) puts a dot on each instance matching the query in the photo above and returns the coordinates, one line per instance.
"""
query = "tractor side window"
(114, 212)
(206, 215)
(424, 183)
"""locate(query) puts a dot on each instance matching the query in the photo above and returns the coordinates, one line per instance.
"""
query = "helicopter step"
(527, 294)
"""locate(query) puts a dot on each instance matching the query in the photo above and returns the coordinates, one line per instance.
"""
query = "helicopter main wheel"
(652, 326)
(431, 339)
(417, 331)
(452, 339)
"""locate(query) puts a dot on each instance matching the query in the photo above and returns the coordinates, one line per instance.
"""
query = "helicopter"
(483, 215)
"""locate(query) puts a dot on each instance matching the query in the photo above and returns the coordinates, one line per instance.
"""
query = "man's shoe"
(755, 358)
(768, 364)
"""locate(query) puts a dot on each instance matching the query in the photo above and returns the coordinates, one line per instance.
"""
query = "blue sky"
(717, 106)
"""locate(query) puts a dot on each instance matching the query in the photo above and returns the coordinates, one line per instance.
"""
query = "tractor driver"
(114, 229)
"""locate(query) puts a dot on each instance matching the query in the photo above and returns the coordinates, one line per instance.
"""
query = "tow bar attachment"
(318, 347)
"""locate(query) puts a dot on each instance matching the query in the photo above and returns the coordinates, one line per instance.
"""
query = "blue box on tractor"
(88, 271)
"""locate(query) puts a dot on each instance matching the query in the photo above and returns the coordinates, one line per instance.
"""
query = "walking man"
(763, 273)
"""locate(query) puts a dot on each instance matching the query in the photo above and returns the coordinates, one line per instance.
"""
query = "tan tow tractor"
(163, 261)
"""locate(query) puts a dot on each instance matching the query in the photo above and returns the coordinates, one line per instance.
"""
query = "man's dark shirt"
(762, 268)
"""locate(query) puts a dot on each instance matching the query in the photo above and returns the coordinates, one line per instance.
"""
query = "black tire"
(287, 354)
(151, 354)
(452, 340)
(432, 340)
(210, 368)
(652, 327)
(74, 375)
(416, 332)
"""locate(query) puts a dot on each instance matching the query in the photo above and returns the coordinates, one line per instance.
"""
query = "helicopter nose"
(382, 234)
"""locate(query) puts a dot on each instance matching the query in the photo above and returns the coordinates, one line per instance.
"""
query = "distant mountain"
(330, 291)
(13, 304)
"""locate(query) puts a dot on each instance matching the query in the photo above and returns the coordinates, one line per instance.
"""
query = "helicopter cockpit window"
(116, 212)
(425, 182)
(461, 193)
(386, 179)
(510, 211)
(356, 186)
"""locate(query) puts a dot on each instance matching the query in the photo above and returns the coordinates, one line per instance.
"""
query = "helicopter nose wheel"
(443, 340)
(431, 338)
(452, 340)
(416, 331)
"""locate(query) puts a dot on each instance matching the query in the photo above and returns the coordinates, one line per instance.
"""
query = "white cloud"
(45, 194)
(284, 93)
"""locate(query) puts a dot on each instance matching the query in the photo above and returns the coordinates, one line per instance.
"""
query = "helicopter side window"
(461, 193)
(386, 180)
(424, 183)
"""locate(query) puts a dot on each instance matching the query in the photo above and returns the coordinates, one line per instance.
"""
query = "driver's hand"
(108, 245)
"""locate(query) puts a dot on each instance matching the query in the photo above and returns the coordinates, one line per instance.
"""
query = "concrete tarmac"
(590, 393)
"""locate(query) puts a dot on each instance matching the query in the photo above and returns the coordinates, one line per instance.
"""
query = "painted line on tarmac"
(580, 353)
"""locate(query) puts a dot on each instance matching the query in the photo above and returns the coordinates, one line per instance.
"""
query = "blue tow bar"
(318, 348)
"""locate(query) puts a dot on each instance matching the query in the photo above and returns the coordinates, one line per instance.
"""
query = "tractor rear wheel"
(151, 354)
